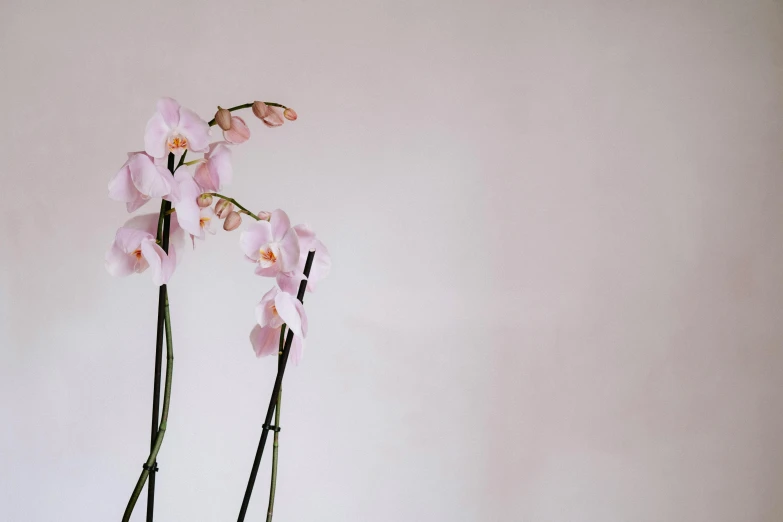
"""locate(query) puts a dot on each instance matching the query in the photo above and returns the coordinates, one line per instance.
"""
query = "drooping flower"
(322, 262)
(265, 341)
(175, 129)
(134, 251)
(191, 216)
(140, 179)
(149, 223)
(239, 131)
(215, 170)
(270, 115)
(273, 245)
(275, 309)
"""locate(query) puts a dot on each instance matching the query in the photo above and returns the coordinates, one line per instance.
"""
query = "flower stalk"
(247, 106)
(235, 202)
(276, 440)
(283, 360)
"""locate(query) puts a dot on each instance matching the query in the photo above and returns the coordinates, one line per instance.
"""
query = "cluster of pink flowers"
(277, 249)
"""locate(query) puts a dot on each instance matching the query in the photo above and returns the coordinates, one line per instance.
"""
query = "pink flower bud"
(260, 109)
(264, 215)
(223, 208)
(204, 200)
(233, 220)
(290, 114)
(223, 118)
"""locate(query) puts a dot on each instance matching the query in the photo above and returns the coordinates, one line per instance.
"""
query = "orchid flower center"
(204, 221)
(137, 254)
(267, 256)
(177, 143)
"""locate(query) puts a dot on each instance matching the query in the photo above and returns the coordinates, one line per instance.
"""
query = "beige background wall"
(556, 231)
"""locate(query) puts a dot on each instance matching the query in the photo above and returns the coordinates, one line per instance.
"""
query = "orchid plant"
(292, 255)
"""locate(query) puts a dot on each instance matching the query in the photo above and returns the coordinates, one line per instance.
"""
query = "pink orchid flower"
(140, 179)
(239, 131)
(275, 309)
(265, 341)
(272, 244)
(134, 251)
(191, 217)
(215, 171)
(149, 223)
(175, 129)
(322, 263)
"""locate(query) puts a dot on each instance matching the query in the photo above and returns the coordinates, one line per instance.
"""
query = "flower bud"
(223, 208)
(233, 220)
(264, 215)
(289, 114)
(204, 200)
(223, 118)
(260, 109)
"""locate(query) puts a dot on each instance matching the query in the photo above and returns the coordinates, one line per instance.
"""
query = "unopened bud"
(223, 208)
(204, 200)
(289, 114)
(260, 109)
(223, 118)
(233, 220)
(264, 215)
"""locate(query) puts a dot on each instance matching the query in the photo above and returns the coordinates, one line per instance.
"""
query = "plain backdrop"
(557, 291)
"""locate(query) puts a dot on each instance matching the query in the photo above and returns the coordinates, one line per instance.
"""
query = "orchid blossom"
(135, 250)
(275, 309)
(140, 179)
(215, 171)
(322, 262)
(175, 129)
(273, 245)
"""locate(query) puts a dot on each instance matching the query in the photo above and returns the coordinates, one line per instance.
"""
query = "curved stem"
(247, 106)
(235, 202)
(276, 443)
(150, 463)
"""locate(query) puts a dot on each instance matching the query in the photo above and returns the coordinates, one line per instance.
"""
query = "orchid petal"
(289, 251)
(296, 353)
(119, 263)
(162, 266)
(274, 117)
(194, 129)
(188, 211)
(129, 239)
(257, 235)
(206, 179)
(265, 340)
(151, 180)
(292, 315)
(239, 131)
(219, 159)
(169, 109)
(121, 187)
(155, 136)
(280, 224)
(289, 281)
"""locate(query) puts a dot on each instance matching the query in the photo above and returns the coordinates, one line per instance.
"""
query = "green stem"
(235, 202)
(247, 106)
(273, 485)
(163, 417)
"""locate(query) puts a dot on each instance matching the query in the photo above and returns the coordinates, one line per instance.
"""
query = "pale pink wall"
(557, 293)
